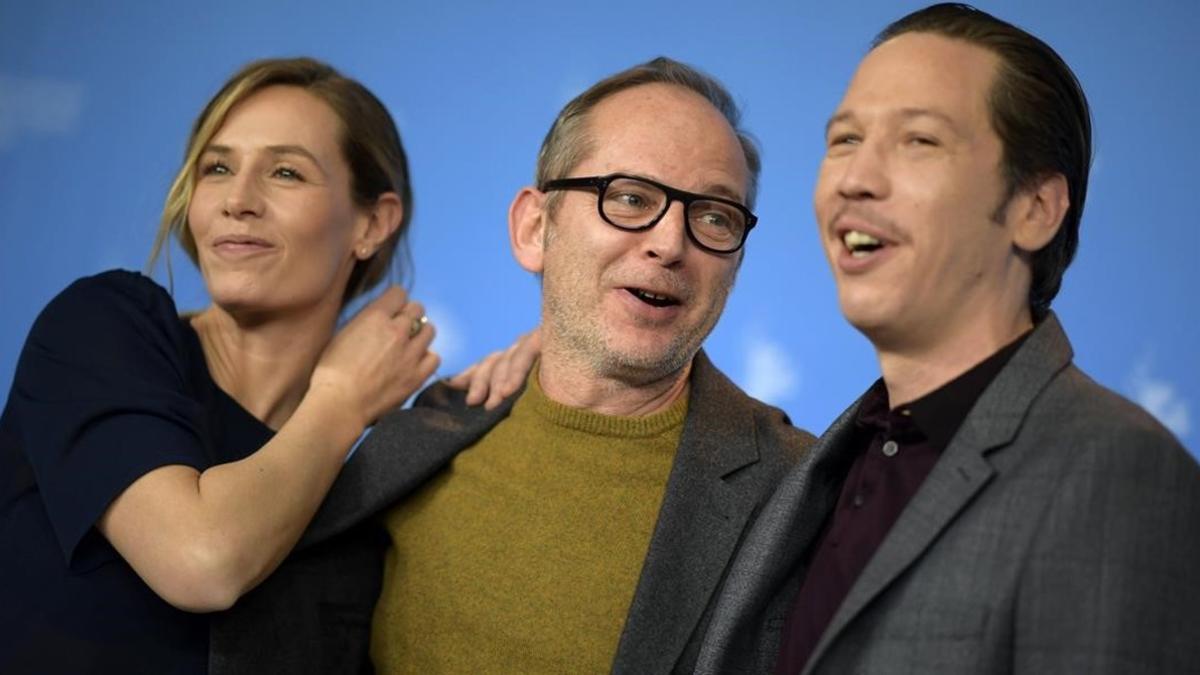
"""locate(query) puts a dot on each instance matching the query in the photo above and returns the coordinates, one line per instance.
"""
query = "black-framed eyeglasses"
(635, 204)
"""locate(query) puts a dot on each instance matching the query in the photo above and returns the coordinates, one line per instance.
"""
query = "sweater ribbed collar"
(579, 419)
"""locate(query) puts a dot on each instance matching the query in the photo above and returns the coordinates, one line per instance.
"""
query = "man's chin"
(866, 308)
(867, 319)
(642, 364)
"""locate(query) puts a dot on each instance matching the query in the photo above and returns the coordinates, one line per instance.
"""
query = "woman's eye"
(214, 168)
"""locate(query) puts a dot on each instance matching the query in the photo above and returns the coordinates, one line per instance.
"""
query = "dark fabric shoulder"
(780, 443)
(104, 317)
(785, 443)
(442, 396)
(107, 297)
(1086, 416)
(1116, 537)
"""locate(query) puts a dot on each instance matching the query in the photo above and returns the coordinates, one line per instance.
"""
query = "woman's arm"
(201, 539)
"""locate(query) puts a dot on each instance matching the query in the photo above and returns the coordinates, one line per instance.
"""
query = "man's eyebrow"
(909, 113)
(843, 116)
(708, 190)
(722, 191)
(903, 113)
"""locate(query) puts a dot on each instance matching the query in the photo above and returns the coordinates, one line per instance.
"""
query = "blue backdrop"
(96, 100)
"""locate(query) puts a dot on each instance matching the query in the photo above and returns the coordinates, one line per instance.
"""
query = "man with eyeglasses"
(585, 524)
(589, 527)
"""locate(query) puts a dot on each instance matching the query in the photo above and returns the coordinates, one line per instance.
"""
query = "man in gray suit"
(985, 507)
(585, 524)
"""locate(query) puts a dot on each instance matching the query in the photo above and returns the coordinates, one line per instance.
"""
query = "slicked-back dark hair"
(1040, 113)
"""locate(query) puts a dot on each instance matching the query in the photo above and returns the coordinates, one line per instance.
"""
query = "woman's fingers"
(389, 303)
(481, 380)
(382, 356)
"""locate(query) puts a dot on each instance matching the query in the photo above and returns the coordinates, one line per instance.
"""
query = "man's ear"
(1039, 212)
(379, 223)
(527, 228)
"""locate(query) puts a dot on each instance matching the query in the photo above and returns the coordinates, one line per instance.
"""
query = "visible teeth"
(856, 241)
(654, 298)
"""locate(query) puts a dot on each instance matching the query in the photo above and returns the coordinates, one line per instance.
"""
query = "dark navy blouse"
(111, 384)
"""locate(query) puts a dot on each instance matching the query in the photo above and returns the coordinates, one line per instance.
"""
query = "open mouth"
(652, 299)
(860, 244)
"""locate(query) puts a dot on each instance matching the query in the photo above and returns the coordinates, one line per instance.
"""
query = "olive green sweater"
(523, 555)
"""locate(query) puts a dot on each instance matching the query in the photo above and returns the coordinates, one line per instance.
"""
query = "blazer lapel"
(960, 473)
(403, 450)
(781, 537)
(698, 527)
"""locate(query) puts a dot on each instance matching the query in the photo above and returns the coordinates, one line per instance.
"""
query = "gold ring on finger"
(416, 325)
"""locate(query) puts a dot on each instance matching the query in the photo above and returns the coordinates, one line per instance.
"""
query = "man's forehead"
(645, 108)
(659, 130)
(923, 71)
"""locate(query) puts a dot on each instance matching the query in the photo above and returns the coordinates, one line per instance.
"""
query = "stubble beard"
(583, 340)
(577, 335)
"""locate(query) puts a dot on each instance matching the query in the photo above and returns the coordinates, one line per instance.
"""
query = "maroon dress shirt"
(895, 449)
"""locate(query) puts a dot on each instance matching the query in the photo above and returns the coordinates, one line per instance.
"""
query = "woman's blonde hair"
(369, 140)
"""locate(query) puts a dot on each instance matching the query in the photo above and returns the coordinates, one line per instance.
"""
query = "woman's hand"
(378, 359)
(499, 374)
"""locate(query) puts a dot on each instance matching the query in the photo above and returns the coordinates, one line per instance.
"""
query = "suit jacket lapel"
(960, 473)
(699, 524)
(403, 450)
(782, 536)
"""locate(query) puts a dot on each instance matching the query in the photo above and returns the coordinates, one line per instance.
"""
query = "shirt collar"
(938, 414)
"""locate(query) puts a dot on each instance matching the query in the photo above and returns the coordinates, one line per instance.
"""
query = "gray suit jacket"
(313, 615)
(1058, 533)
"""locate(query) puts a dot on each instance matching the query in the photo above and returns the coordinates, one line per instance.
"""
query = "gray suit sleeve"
(1112, 584)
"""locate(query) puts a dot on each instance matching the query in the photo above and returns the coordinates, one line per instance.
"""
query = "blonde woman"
(156, 466)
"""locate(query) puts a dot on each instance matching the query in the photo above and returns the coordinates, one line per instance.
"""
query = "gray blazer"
(1058, 533)
(313, 615)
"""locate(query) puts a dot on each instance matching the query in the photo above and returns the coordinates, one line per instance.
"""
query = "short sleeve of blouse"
(103, 396)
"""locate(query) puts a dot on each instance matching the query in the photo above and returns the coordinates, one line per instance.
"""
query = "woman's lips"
(241, 247)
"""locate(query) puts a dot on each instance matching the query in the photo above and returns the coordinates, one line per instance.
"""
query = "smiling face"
(272, 215)
(910, 199)
(637, 305)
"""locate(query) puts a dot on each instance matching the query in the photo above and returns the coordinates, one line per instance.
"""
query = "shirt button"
(858, 501)
(890, 449)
